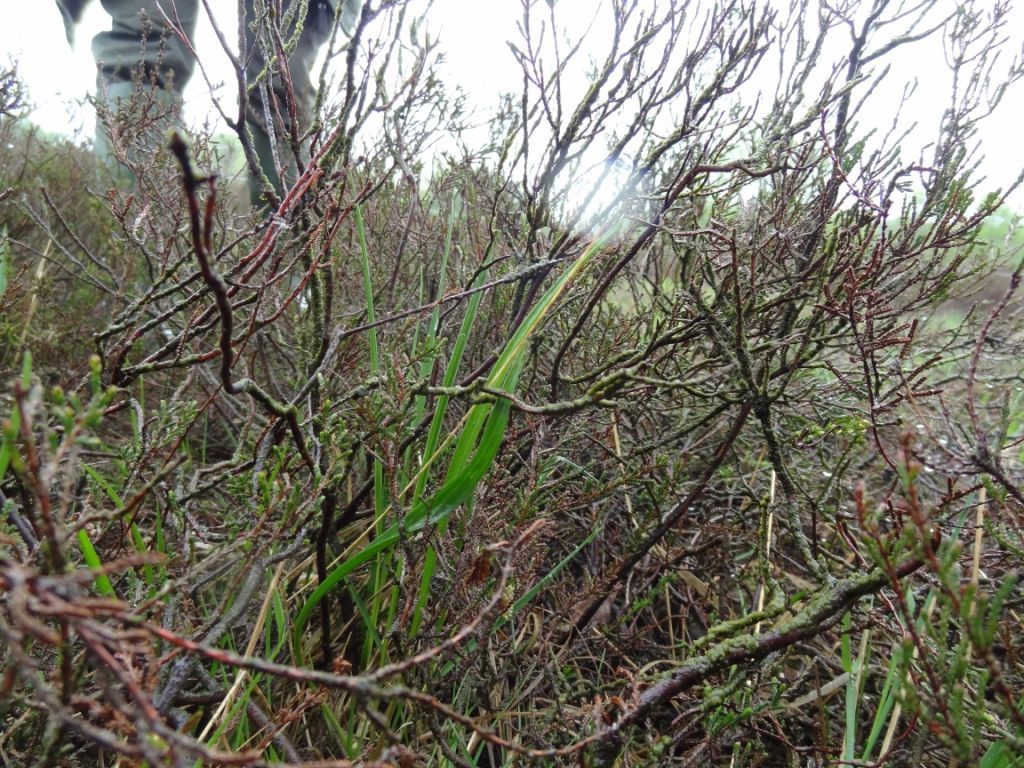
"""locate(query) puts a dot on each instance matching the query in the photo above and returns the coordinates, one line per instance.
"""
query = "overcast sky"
(59, 76)
(473, 34)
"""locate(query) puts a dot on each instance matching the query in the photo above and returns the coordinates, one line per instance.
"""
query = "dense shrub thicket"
(676, 422)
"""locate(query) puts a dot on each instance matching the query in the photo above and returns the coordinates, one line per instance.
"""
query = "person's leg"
(143, 68)
(71, 13)
(316, 30)
(142, 42)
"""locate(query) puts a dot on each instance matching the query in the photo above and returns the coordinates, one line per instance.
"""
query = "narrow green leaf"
(528, 596)
(140, 546)
(430, 512)
(886, 701)
(108, 489)
(472, 457)
(5, 261)
(92, 560)
(26, 369)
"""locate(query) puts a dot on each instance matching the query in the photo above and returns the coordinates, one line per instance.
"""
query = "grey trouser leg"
(131, 43)
(71, 12)
(151, 53)
(143, 66)
(316, 30)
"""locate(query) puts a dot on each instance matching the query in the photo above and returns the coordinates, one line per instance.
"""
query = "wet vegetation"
(675, 421)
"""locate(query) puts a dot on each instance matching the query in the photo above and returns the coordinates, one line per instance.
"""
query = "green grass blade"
(140, 546)
(92, 559)
(7, 441)
(886, 701)
(502, 376)
(106, 487)
(528, 596)
(472, 458)
(430, 512)
(433, 326)
(430, 448)
(846, 654)
(450, 374)
(380, 502)
(5, 261)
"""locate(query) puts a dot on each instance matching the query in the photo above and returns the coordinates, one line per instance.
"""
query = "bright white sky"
(473, 35)
(59, 76)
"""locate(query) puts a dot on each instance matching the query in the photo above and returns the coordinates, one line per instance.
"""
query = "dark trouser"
(141, 47)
